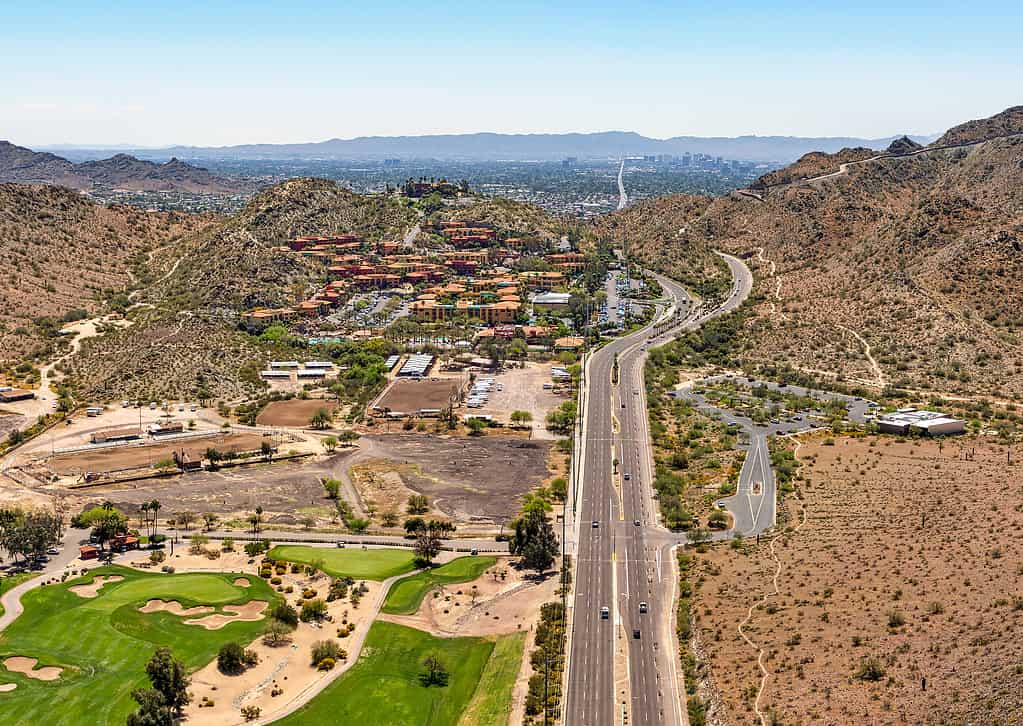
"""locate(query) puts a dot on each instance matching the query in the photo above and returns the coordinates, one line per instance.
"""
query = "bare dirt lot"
(119, 458)
(407, 396)
(906, 568)
(283, 490)
(9, 422)
(296, 412)
(471, 480)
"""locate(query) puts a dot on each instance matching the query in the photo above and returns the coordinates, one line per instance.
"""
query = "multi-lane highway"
(622, 554)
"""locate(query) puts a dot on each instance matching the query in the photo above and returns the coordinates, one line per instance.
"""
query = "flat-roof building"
(932, 423)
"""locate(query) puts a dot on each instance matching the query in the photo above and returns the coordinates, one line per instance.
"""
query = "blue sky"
(225, 73)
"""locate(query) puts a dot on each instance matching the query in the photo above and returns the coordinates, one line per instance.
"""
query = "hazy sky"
(211, 73)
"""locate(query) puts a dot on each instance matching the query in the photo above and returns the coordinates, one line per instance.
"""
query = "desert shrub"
(323, 650)
(314, 609)
(869, 669)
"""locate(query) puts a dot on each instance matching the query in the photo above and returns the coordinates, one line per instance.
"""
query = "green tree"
(428, 539)
(434, 672)
(329, 444)
(348, 436)
(476, 426)
(321, 419)
(168, 677)
(153, 709)
(210, 520)
(332, 487)
(521, 417)
(534, 540)
(231, 658)
(418, 504)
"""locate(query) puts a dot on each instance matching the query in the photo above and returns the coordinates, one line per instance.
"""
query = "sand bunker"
(92, 589)
(242, 581)
(250, 611)
(174, 608)
(7, 687)
(23, 665)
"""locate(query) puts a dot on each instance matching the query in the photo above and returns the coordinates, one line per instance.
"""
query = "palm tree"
(143, 513)
(155, 507)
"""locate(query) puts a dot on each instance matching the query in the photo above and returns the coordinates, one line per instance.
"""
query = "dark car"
(635, 633)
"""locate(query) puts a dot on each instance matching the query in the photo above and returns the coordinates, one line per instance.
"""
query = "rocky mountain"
(903, 145)
(526, 147)
(188, 339)
(520, 218)
(901, 271)
(1008, 122)
(813, 164)
(65, 256)
(18, 164)
(236, 266)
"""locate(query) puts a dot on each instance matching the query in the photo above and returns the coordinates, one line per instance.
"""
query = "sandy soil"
(904, 560)
(132, 457)
(249, 612)
(295, 412)
(92, 589)
(26, 666)
(284, 667)
(408, 396)
(174, 608)
(501, 605)
(242, 581)
(7, 687)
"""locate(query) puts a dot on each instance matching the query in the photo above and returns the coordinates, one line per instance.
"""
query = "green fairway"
(9, 582)
(491, 706)
(384, 687)
(406, 595)
(103, 643)
(368, 564)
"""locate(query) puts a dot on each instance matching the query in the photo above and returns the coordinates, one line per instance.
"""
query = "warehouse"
(930, 423)
(15, 394)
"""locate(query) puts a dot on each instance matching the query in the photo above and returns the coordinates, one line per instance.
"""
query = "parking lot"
(781, 420)
(522, 389)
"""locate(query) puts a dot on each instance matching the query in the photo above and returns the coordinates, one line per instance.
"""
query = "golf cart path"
(11, 599)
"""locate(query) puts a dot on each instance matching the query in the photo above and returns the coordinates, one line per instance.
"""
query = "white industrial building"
(931, 423)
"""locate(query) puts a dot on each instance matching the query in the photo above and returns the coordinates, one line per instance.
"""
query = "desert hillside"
(18, 164)
(64, 256)
(661, 232)
(188, 340)
(902, 271)
(235, 265)
(525, 219)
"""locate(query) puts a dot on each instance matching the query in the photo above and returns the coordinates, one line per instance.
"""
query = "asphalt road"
(754, 505)
(619, 563)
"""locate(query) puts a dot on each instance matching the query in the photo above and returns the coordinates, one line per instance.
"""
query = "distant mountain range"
(18, 164)
(520, 147)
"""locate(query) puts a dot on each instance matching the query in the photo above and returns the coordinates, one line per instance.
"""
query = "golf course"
(100, 642)
(362, 564)
(406, 595)
(385, 686)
